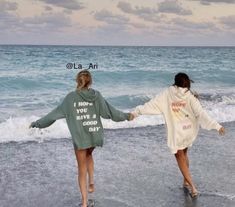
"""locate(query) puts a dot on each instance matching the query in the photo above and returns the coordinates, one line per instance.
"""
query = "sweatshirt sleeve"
(50, 118)
(107, 111)
(152, 107)
(205, 121)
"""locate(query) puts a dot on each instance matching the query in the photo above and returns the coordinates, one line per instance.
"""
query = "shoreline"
(134, 168)
(41, 140)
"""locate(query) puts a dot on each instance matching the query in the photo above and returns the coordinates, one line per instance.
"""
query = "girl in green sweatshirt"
(83, 109)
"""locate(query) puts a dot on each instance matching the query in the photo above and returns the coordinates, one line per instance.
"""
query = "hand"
(222, 131)
(131, 117)
(32, 125)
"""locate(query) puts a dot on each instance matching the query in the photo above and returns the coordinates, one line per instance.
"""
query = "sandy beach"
(134, 168)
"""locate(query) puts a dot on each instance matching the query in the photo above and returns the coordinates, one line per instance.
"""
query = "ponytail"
(83, 79)
(182, 80)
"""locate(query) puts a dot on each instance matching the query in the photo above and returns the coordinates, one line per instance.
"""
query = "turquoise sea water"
(34, 80)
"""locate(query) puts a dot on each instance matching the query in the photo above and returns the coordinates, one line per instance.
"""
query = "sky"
(118, 22)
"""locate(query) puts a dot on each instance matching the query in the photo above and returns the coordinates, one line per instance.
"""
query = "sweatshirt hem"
(174, 151)
(86, 147)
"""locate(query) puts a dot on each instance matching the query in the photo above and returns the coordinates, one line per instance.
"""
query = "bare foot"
(91, 188)
(186, 184)
(194, 193)
(83, 205)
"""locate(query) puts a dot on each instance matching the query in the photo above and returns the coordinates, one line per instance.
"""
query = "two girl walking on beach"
(84, 107)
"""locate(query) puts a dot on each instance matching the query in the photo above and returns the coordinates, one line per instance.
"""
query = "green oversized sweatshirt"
(83, 111)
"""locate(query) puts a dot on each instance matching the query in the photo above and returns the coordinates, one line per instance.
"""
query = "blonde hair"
(83, 79)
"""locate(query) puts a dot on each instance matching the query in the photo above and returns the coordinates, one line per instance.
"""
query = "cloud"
(115, 21)
(110, 18)
(8, 6)
(228, 21)
(138, 25)
(66, 4)
(174, 7)
(208, 2)
(166, 23)
(153, 14)
(48, 8)
(53, 21)
(46, 22)
(9, 21)
(146, 13)
(126, 7)
(46, 28)
(192, 25)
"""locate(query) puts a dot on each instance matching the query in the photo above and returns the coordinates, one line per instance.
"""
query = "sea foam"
(17, 128)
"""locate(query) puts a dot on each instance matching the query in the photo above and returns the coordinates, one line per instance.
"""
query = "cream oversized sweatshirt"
(183, 115)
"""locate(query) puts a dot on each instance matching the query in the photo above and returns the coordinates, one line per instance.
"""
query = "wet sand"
(134, 168)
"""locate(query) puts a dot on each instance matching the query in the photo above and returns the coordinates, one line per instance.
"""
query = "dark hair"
(182, 80)
(83, 79)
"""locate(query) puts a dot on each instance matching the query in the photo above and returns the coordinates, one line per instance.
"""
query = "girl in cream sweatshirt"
(183, 115)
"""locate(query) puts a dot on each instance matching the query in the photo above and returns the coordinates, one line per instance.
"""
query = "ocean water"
(35, 79)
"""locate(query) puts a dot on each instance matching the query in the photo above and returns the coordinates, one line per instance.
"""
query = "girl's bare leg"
(187, 160)
(90, 168)
(81, 156)
(182, 163)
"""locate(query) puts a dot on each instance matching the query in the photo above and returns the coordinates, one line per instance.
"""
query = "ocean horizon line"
(86, 45)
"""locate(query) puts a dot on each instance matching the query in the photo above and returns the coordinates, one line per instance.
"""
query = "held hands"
(131, 116)
(32, 125)
(222, 131)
